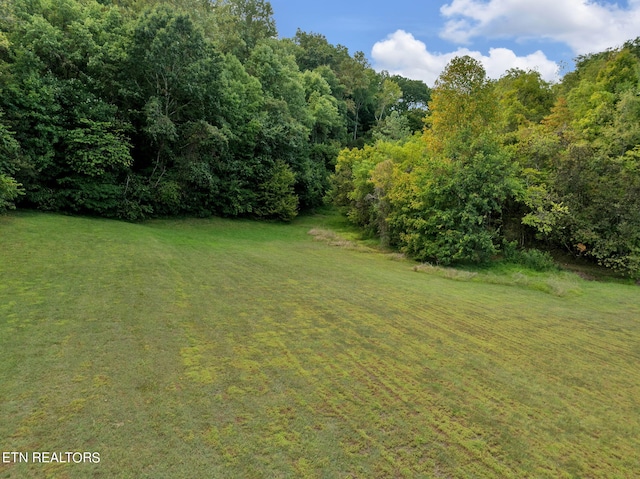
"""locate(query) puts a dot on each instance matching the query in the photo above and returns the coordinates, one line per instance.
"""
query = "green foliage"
(360, 90)
(452, 211)
(10, 189)
(281, 79)
(412, 107)
(315, 51)
(242, 24)
(532, 258)
(173, 107)
(60, 68)
(455, 210)
(327, 122)
(393, 127)
(95, 148)
(276, 196)
(524, 98)
(140, 108)
(439, 197)
(387, 97)
(79, 194)
(415, 94)
(463, 107)
(584, 195)
(365, 179)
(602, 195)
(546, 216)
(9, 150)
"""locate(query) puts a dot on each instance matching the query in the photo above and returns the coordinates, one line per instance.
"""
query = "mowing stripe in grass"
(218, 348)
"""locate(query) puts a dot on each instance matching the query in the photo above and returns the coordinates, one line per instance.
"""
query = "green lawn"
(234, 349)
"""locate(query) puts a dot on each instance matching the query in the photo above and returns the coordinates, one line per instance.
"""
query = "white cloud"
(401, 53)
(585, 25)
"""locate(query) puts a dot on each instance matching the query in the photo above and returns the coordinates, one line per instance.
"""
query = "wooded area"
(138, 108)
(508, 164)
(134, 109)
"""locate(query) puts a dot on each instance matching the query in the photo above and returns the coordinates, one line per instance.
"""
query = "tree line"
(141, 108)
(136, 108)
(510, 163)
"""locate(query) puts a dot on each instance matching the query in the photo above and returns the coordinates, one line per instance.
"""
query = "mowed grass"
(234, 349)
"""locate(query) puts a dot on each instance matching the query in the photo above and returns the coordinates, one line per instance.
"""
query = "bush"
(10, 189)
(533, 259)
(276, 196)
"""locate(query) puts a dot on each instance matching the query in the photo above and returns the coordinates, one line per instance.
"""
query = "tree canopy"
(515, 161)
(138, 108)
(141, 108)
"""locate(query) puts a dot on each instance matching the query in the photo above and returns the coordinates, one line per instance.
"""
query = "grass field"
(233, 349)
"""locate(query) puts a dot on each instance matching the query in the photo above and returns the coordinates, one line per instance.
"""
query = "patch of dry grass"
(555, 283)
(334, 239)
(449, 273)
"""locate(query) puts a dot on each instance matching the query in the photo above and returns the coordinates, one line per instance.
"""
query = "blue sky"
(418, 38)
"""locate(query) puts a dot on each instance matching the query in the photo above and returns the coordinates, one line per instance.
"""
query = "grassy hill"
(235, 349)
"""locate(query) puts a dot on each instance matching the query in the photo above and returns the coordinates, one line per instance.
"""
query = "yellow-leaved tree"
(451, 210)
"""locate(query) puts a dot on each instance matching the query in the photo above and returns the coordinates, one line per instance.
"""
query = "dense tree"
(454, 209)
(441, 201)
(524, 97)
(242, 24)
(393, 127)
(359, 82)
(10, 189)
(57, 74)
(174, 77)
(596, 174)
(581, 162)
(325, 115)
(449, 210)
(315, 51)
(139, 111)
(413, 105)
(136, 108)
(365, 178)
(463, 106)
(388, 96)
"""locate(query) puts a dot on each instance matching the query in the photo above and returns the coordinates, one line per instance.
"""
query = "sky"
(417, 38)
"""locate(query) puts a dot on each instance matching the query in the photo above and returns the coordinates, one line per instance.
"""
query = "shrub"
(533, 259)
(10, 189)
